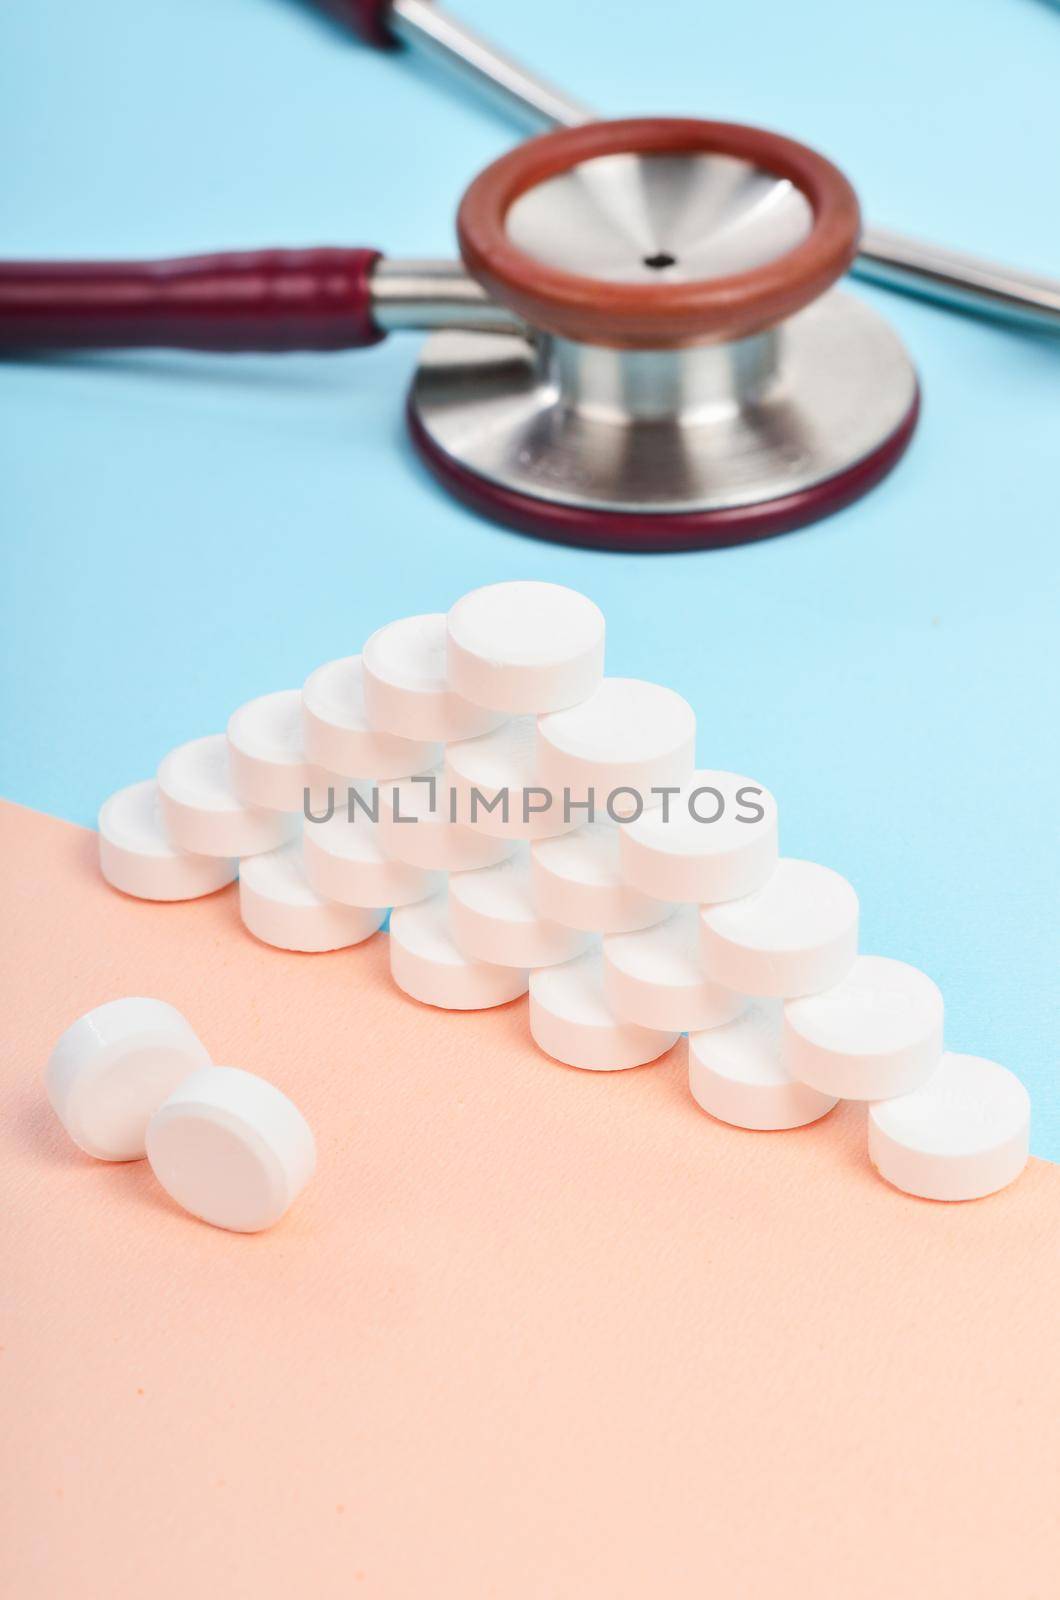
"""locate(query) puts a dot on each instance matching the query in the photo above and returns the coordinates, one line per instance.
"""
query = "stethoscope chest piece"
(680, 371)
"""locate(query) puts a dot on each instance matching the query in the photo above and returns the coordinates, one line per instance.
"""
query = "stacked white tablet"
(533, 824)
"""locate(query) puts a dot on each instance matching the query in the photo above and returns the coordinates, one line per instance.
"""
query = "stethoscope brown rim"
(657, 316)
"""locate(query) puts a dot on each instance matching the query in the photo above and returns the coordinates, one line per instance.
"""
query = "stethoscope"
(642, 347)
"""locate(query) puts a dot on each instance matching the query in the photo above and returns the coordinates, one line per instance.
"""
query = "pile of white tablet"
(531, 824)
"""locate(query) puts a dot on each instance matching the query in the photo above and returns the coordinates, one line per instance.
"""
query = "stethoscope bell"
(680, 371)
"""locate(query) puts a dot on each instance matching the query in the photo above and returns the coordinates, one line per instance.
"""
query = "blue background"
(182, 533)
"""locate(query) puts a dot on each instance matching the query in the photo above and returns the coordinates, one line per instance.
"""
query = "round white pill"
(625, 739)
(266, 753)
(337, 733)
(201, 811)
(796, 935)
(736, 1072)
(114, 1067)
(877, 1033)
(137, 856)
(280, 907)
(525, 646)
(231, 1149)
(497, 787)
(416, 826)
(426, 963)
(571, 1020)
(578, 881)
(406, 688)
(655, 978)
(963, 1134)
(715, 840)
(493, 917)
(345, 860)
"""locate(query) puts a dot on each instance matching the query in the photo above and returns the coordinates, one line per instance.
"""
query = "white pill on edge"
(137, 856)
(406, 687)
(426, 963)
(628, 736)
(201, 811)
(267, 754)
(525, 646)
(345, 859)
(497, 788)
(655, 978)
(416, 826)
(280, 907)
(493, 917)
(795, 936)
(715, 840)
(231, 1149)
(962, 1135)
(876, 1034)
(578, 881)
(572, 1021)
(337, 733)
(736, 1072)
(113, 1068)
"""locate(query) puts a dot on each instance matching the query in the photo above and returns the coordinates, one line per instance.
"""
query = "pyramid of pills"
(533, 825)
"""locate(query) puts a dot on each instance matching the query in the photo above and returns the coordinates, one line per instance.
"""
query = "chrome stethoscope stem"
(610, 385)
(425, 295)
(911, 265)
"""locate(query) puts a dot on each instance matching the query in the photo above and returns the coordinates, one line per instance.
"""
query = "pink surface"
(529, 1333)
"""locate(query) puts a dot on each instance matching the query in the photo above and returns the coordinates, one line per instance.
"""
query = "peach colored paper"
(531, 1333)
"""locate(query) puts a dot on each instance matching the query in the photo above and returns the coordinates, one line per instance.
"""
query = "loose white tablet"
(525, 646)
(878, 1033)
(201, 811)
(737, 1074)
(337, 733)
(578, 881)
(497, 786)
(280, 907)
(963, 1134)
(137, 856)
(426, 963)
(113, 1068)
(416, 826)
(655, 978)
(571, 1020)
(627, 738)
(493, 917)
(406, 688)
(231, 1149)
(796, 935)
(715, 840)
(267, 756)
(345, 860)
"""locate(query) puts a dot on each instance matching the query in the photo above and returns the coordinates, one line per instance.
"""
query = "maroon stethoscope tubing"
(265, 300)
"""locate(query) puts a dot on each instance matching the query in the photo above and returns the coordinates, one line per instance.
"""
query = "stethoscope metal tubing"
(429, 28)
(952, 278)
(912, 266)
